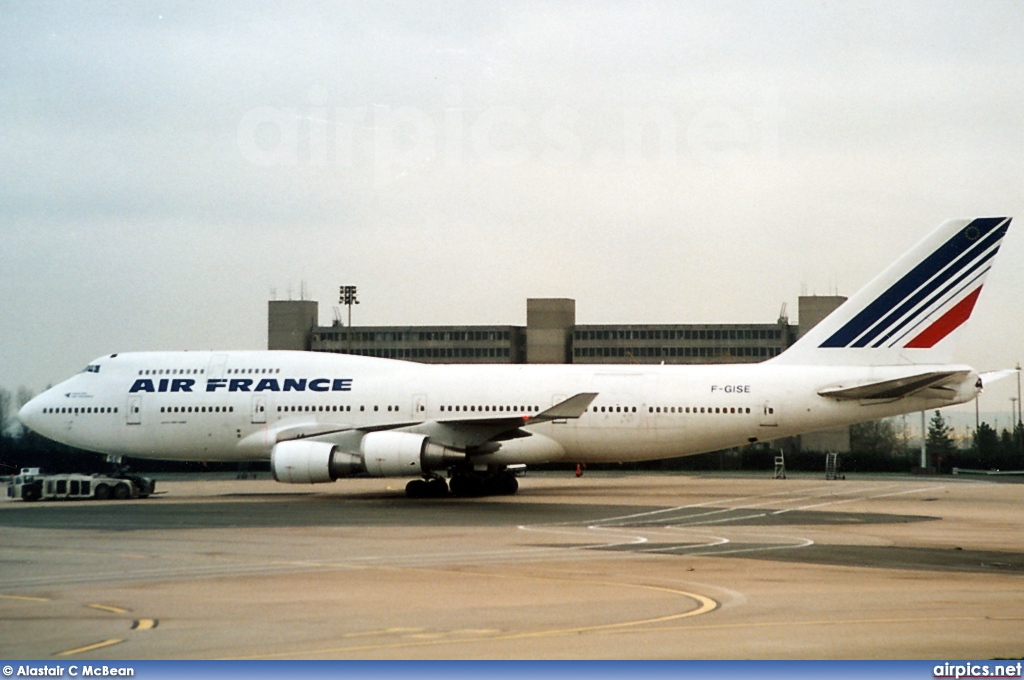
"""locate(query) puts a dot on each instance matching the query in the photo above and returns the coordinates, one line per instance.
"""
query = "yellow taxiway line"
(704, 606)
(24, 598)
(89, 648)
(107, 608)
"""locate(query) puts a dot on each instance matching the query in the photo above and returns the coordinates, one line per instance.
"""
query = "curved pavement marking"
(704, 605)
(107, 608)
(759, 504)
(764, 548)
(24, 598)
(716, 502)
(864, 498)
(138, 624)
(838, 622)
(480, 557)
(579, 532)
(92, 647)
(385, 631)
(859, 493)
(633, 539)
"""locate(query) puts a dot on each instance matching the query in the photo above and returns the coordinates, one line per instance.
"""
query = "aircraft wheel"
(437, 488)
(102, 492)
(417, 488)
(122, 492)
(507, 484)
(463, 486)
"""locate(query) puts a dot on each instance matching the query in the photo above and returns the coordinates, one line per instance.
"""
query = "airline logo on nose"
(244, 385)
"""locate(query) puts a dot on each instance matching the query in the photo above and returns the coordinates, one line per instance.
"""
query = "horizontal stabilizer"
(989, 377)
(894, 389)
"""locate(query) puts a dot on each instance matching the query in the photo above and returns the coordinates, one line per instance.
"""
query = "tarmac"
(606, 566)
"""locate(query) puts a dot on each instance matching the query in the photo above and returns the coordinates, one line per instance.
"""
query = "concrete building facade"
(426, 344)
(549, 328)
(551, 336)
(290, 324)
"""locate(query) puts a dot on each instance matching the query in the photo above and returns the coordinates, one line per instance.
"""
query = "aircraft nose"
(29, 414)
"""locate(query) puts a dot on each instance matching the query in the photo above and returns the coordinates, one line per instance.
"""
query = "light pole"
(924, 442)
(347, 296)
(1013, 410)
(1013, 414)
(1018, 429)
(1018, 393)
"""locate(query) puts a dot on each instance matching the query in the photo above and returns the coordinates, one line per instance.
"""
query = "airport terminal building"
(550, 336)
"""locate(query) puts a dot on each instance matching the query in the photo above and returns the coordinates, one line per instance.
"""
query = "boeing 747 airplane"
(319, 417)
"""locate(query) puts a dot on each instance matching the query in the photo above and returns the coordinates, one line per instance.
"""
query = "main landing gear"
(463, 485)
(434, 487)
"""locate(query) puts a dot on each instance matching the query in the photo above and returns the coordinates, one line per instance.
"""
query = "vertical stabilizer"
(913, 311)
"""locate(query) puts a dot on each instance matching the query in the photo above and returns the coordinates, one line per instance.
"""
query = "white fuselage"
(229, 406)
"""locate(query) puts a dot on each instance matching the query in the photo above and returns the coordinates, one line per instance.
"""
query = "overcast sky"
(166, 168)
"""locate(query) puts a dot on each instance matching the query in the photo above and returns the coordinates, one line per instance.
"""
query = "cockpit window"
(92, 368)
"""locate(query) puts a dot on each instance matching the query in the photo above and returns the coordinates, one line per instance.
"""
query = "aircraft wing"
(897, 388)
(461, 433)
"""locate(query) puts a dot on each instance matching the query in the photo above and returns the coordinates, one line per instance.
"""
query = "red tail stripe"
(945, 324)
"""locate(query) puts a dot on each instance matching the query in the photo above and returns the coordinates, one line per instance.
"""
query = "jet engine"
(381, 454)
(309, 462)
(403, 454)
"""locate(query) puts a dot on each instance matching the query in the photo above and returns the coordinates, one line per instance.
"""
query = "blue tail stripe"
(954, 295)
(971, 256)
(910, 282)
(929, 305)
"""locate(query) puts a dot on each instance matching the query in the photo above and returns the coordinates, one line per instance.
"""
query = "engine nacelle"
(381, 454)
(309, 462)
(404, 454)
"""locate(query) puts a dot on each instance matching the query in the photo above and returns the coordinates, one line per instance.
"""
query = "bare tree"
(5, 410)
(25, 395)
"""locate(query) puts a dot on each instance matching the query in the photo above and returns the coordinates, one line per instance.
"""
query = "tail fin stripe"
(966, 239)
(929, 304)
(954, 296)
(947, 323)
(956, 268)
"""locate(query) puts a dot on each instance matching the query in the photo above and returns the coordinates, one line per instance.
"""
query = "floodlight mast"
(347, 297)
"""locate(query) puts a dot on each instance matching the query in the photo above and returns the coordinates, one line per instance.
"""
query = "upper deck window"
(92, 368)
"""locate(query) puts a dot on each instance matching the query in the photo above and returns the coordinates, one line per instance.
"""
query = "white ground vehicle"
(32, 485)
